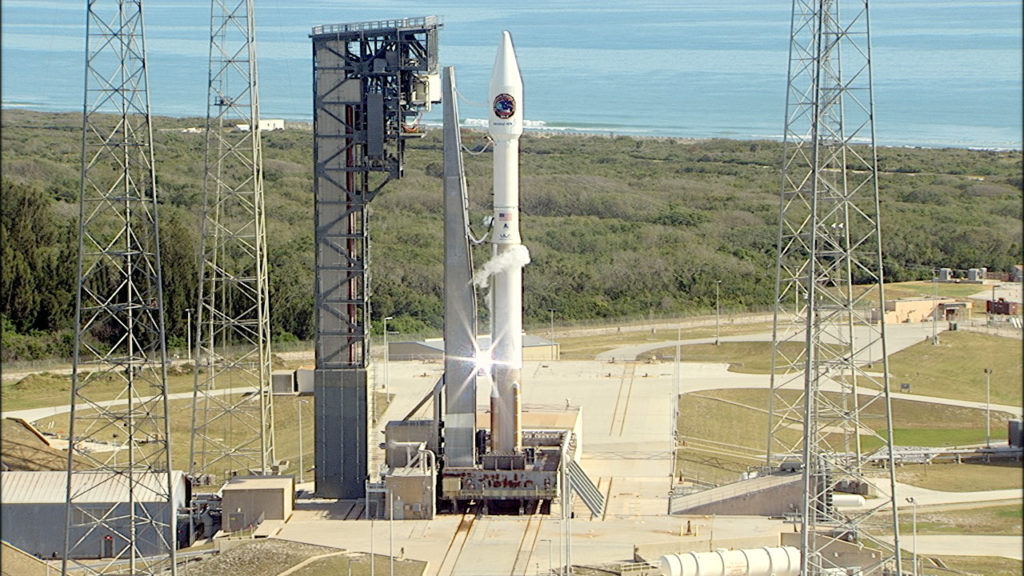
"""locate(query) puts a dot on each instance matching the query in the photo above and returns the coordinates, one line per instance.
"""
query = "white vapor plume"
(517, 256)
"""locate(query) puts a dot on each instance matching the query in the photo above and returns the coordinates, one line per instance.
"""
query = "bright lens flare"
(483, 361)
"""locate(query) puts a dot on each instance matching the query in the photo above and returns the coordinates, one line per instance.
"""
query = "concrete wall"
(398, 351)
(777, 500)
(416, 430)
(540, 353)
(342, 433)
(37, 529)
(282, 382)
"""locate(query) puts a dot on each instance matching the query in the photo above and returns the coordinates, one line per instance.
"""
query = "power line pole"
(233, 411)
(829, 283)
(718, 312)
(988, 407)
(120, 350)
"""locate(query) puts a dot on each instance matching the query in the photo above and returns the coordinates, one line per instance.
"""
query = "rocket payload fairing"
(505, 126)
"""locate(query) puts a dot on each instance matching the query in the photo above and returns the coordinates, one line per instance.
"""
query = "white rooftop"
(50, 487)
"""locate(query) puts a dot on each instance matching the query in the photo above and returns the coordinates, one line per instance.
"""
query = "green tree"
(179, 264)
(27, 234)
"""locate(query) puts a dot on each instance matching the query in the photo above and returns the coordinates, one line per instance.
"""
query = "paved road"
(1009, 291)
(33, 414)
(898, 337)
(961, 545)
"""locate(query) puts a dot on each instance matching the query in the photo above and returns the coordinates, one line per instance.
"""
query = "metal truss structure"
(371, 80)
(232, 411)
(120, 504)
(829, 386)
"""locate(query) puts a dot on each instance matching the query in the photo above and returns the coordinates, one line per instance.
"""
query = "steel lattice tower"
(119, 379)
(829, 366)
(232, 412)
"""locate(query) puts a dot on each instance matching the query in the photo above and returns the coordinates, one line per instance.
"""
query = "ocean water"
(946, 72)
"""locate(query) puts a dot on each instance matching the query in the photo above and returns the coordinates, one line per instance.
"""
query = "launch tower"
(829, 366)
(119, 449)
(371, 80)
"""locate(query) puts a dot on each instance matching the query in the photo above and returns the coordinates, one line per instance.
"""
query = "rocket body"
(505, 126)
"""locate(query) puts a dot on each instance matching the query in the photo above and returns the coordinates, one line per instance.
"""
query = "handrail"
(421, 22)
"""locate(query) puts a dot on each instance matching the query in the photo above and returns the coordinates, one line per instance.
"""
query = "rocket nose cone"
(506, 65)
(505, 47)
(506, 93)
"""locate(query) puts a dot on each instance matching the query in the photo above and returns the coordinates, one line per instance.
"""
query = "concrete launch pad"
(626, 414)
(624, 411)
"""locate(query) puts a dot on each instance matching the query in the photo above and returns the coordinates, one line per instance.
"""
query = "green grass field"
(946, 565)
(966, 477)
(716, 452)
(286, 439)
(587, 347)
(952, 369)
(955, 367)
(927, 289)
(742, 357)
(976, 565)
(49, 389)
(1004, 520)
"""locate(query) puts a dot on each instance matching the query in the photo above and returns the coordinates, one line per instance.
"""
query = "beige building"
(907, 310)
(252, 500)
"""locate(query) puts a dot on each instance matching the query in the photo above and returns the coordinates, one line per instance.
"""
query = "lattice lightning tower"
(829, 376)
(119, 380)
(233, 415)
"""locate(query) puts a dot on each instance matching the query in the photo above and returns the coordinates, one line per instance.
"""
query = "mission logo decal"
(504, 106)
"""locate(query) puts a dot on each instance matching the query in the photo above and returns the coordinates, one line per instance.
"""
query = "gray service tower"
(370, 81)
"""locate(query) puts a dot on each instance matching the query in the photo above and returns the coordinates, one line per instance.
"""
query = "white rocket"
(505, 126)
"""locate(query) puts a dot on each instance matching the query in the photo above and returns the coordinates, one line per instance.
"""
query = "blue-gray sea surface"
(946, 73)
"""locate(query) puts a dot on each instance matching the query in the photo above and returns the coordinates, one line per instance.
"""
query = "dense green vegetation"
(616, 226)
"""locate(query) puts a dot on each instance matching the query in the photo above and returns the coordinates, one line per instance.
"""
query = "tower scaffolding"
(232, 411)
(120, 504)
(829, 385)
